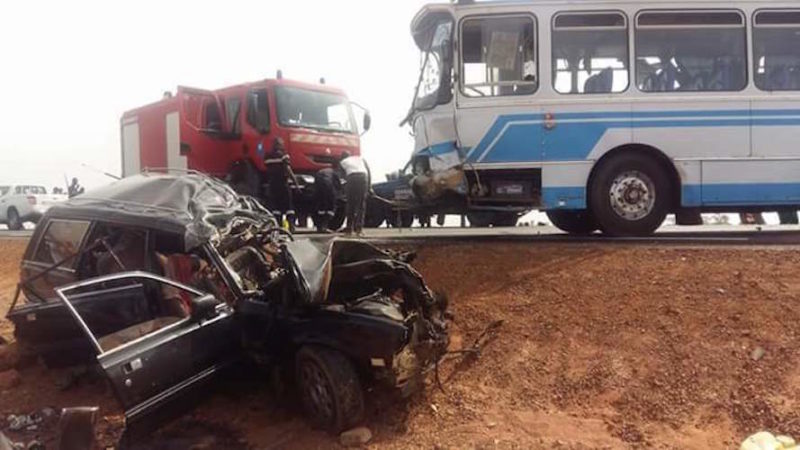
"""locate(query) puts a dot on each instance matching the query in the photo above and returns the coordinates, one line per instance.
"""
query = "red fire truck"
(227, 132)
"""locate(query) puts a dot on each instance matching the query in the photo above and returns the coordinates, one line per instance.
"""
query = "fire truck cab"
(227, 133)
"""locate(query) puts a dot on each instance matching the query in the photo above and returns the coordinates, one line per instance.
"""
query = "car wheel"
(14, 221)
(573, 222)
(329, 387)
(629, 196)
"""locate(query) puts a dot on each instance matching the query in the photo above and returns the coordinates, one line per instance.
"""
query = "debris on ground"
(355, 437)
(27, 422)
(758, 353)
(767, 441)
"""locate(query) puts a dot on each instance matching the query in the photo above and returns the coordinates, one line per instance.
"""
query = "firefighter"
(357, 179)
(326, 187)
(279, 173)
(74, 188)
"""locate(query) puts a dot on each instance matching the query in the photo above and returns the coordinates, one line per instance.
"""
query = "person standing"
(326, 185)
(279, 172)
(74, 189)
(357, 178)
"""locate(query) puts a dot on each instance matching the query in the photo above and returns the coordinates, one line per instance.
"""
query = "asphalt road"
(708, 234)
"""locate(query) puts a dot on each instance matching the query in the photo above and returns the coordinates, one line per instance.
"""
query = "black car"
(167, 279)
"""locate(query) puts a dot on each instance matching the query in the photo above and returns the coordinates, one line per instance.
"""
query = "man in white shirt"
(357, 177)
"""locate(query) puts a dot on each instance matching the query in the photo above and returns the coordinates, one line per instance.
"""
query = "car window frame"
(132, 275)
(30, 259)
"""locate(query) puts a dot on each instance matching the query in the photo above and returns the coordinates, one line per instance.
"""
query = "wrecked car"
(166, 279)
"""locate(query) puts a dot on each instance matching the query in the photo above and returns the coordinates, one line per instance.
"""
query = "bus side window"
(696, 51)
(499, 56)
(776, 50)
(258, 110)
(590, 53)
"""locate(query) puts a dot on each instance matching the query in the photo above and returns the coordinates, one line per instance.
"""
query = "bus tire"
(579, 222)
(629, 195)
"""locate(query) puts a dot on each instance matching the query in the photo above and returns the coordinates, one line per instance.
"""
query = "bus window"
(590, 53)
(776, 50)
(691, 51)
(498, 57)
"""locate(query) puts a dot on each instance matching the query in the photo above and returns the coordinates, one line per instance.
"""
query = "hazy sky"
(69, 69)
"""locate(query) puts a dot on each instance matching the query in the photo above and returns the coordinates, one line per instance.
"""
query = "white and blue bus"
(608, 114)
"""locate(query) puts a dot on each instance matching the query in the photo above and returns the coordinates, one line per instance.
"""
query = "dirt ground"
(600, 347)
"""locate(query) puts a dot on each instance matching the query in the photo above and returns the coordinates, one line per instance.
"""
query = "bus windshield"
(434, 84)
(312, 109)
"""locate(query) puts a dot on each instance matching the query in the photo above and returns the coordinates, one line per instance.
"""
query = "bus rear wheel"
(573, 222)
(629, 195)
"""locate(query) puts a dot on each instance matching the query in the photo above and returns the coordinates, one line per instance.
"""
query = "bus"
(607, 114)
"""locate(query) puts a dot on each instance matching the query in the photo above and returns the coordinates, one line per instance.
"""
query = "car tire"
(329, 389)
(573, 222)
(14, 221)
(630, 195)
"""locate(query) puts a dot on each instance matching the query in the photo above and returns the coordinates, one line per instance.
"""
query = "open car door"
(161, 349)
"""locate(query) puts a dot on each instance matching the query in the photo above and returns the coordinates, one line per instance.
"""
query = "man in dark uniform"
(279, 172)
(75, 188)
(357, 177)
(326, 187)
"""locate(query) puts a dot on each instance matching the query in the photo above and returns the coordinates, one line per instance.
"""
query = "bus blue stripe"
(508, 141)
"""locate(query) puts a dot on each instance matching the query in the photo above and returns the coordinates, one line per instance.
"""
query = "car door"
(205, 141)
(154, 364)
(5, 193)
(49, 328)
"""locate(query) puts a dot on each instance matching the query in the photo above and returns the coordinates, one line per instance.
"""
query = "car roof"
(181, 203)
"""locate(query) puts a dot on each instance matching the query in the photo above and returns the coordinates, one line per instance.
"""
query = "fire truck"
(227, 133)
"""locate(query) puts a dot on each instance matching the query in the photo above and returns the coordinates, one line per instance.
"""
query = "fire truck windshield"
(321, 111)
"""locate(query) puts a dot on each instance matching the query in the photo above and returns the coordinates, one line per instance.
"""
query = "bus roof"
(434, 9)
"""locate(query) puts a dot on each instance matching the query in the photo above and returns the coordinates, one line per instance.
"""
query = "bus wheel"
(629, 196)
(573, 222)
